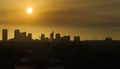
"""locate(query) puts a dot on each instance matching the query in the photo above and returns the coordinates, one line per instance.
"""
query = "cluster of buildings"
(18, 36)
(23, 36)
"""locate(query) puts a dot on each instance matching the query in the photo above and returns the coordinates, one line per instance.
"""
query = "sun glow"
(29, 10)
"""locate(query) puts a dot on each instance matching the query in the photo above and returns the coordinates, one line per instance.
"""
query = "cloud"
(95, 16)
(84, 13)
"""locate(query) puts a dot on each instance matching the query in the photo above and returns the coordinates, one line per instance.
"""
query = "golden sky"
(91, 19)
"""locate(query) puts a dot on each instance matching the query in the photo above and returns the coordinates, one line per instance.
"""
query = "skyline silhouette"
(24, 36)
(89, 19)
(59, 34)
(57, 52)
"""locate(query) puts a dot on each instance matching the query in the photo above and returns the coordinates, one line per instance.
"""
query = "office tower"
(42, 37)
(19, 36)
(52, 36)
(16, 34)
(66, 38)
(58, 36)
(29, 36)
(4, 34)
(22, 36)
(76, 38)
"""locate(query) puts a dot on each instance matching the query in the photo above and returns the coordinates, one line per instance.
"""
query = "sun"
(29, 10)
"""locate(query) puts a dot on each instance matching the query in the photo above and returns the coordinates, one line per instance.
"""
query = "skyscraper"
(66, 38)
(52, 36)
(4, 34)
(29, 36)
(42, 37)
(57, 36)
(22, 36)
(16, 34)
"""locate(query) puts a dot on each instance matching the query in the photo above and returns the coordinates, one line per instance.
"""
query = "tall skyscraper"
(4, 34)
(52, 36)
(16, 34)
(42, 37)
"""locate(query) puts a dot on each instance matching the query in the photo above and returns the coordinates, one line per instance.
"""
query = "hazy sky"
(91, 19)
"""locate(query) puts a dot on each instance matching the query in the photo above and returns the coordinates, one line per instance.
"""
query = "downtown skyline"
(89, 19)
(53, 37)
(25, 36)
(84, 34)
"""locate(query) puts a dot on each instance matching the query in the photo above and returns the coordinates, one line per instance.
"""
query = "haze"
(91, 19)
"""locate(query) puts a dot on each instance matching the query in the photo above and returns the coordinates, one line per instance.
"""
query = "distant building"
(108, 38)
(76, 38)
(22, 36)
(66, 38)
(52, 36)
(29, 36)
(46, 39)
(42, 37)
(4, 34)
(57, 36)
(16, 34)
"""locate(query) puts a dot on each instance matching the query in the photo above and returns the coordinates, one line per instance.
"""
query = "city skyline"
(90, 19)
(59, 34)
(36, 35)
(53, 36)
(25, 36)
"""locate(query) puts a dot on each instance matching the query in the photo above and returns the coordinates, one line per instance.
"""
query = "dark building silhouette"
(66, 38)
(76, 38)
(46, 39)
(29, 36)
(108, 38)
(52, 36)
(16, 34)
(4, 34)
(42, 37)
(23, 36)
(57, 36)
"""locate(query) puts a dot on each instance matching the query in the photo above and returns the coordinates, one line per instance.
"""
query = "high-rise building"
(42, 37)
(52, 36)
(20, 36)
(4, 34)
(23, 36)
(16, 34)
(66, 38)
(57, 36)
(76, 38)
(29, 36)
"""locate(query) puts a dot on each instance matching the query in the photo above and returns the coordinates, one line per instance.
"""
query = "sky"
(90, 19)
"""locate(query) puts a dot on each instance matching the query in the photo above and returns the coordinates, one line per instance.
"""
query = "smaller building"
(76, 38)
(4, 34)
(66, 38)
(42, 37)
(108, 38)
(52, 36)
(29, 36)
(57, 36)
